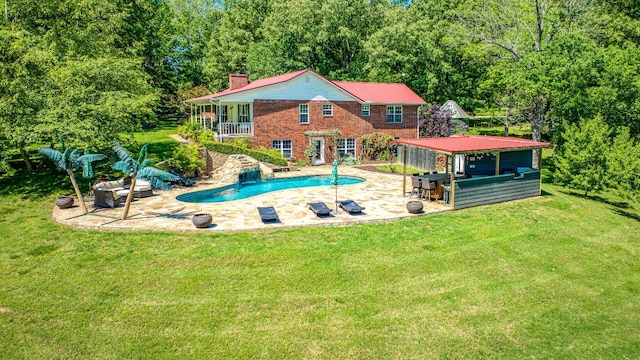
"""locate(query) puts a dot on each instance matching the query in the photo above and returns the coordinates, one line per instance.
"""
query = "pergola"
(516, 152)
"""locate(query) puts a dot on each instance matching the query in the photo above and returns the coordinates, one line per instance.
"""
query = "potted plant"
(415, 206)
(201, 220)
(64, 202)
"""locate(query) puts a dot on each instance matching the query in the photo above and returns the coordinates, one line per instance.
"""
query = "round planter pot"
(64, 202)
(415, 207)
(201, 220)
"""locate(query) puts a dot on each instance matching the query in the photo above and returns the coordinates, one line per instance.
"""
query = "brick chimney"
(237, 81)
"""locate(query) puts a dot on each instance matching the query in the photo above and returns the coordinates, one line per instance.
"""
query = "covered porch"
(479, 170)
(226, 119)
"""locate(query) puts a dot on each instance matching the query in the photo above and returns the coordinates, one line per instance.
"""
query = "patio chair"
(106, 198)
(416, 184)
(319, 208)
(268, 213)
(429, 187)
(351, 207)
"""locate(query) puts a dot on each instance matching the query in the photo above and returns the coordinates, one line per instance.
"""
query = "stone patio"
(380, 194)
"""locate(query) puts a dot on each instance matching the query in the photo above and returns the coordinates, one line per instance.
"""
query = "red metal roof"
(381, 93)
(377, 93)
(473, 143)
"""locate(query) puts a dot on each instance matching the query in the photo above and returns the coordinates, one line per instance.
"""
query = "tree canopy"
(96, 69)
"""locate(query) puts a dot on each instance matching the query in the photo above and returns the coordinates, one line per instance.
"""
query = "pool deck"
(380, 194)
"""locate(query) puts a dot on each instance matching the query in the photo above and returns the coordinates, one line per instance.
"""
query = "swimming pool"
(237, 192)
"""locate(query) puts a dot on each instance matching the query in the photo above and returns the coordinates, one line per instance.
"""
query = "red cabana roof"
(473, 144)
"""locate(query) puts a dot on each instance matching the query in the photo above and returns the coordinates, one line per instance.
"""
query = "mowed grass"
(556, 277)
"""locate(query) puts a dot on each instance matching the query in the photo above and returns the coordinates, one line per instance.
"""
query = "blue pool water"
(237, 192)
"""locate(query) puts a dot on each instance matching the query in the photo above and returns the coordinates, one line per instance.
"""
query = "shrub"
(205, 135)
(186, 158)
(243, 142)
(434, 123)
(377, 146)
(182, 130)
(270, 151)
(310, 151)
(349, 160)
(231, 150)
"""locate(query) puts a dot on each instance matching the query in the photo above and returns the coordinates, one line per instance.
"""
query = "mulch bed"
(375, 169)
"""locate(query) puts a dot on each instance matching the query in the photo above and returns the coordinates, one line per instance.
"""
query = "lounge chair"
(268, 213)
(351, 207)
(105, 198)
(320, 209)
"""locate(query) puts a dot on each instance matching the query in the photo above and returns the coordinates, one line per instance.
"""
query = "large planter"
(415, 207)
(64, 202)
(202, 220)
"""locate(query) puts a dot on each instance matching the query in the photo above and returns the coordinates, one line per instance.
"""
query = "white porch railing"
(236, 129)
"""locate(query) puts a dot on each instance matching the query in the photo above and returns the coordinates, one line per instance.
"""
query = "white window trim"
(281, 147)
(395, 107)
(241, 113)
(330, 109)
(345, 148)
(300, 113)
(368, 110)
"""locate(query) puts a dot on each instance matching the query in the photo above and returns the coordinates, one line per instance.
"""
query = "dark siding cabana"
(496, 169)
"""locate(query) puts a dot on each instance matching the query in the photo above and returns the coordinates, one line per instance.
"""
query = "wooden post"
(452, 183)
(404, 170)
(498, 163)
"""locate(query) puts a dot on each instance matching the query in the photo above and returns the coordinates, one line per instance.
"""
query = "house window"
(346, 147)
(394, 113)
(304, 113)
(243, 113)
(327, 109)
(365, 110)
(284, 146)
(223, 113)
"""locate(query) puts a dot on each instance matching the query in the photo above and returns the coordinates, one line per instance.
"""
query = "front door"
(318, 156)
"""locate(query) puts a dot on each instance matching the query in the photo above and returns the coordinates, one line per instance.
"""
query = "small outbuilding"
(479, 170)
(454, 110)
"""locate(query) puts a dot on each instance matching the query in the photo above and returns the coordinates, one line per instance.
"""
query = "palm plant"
(71, 160)
(140, 169)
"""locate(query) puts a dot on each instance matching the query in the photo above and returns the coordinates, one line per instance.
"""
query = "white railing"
(236, 129)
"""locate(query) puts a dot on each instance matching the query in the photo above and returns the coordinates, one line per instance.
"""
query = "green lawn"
(557, 277)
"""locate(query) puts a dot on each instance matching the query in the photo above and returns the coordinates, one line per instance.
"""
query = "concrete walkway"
(380, 194)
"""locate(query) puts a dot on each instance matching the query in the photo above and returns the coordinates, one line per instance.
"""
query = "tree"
(523, 30)
(71, 160)
(139, 169)
(624, 165)
(433, 122)
(581, 159)
(24, 61)
(193, 23)
(95, 100)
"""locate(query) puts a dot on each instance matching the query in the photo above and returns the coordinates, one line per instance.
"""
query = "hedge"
(232, 150)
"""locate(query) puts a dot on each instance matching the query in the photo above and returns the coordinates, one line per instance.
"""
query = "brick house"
(291, 111)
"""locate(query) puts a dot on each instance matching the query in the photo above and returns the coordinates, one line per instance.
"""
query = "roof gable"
(454, 109)
(309, 85)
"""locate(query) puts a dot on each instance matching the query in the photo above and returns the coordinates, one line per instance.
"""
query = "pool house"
(479, 170)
